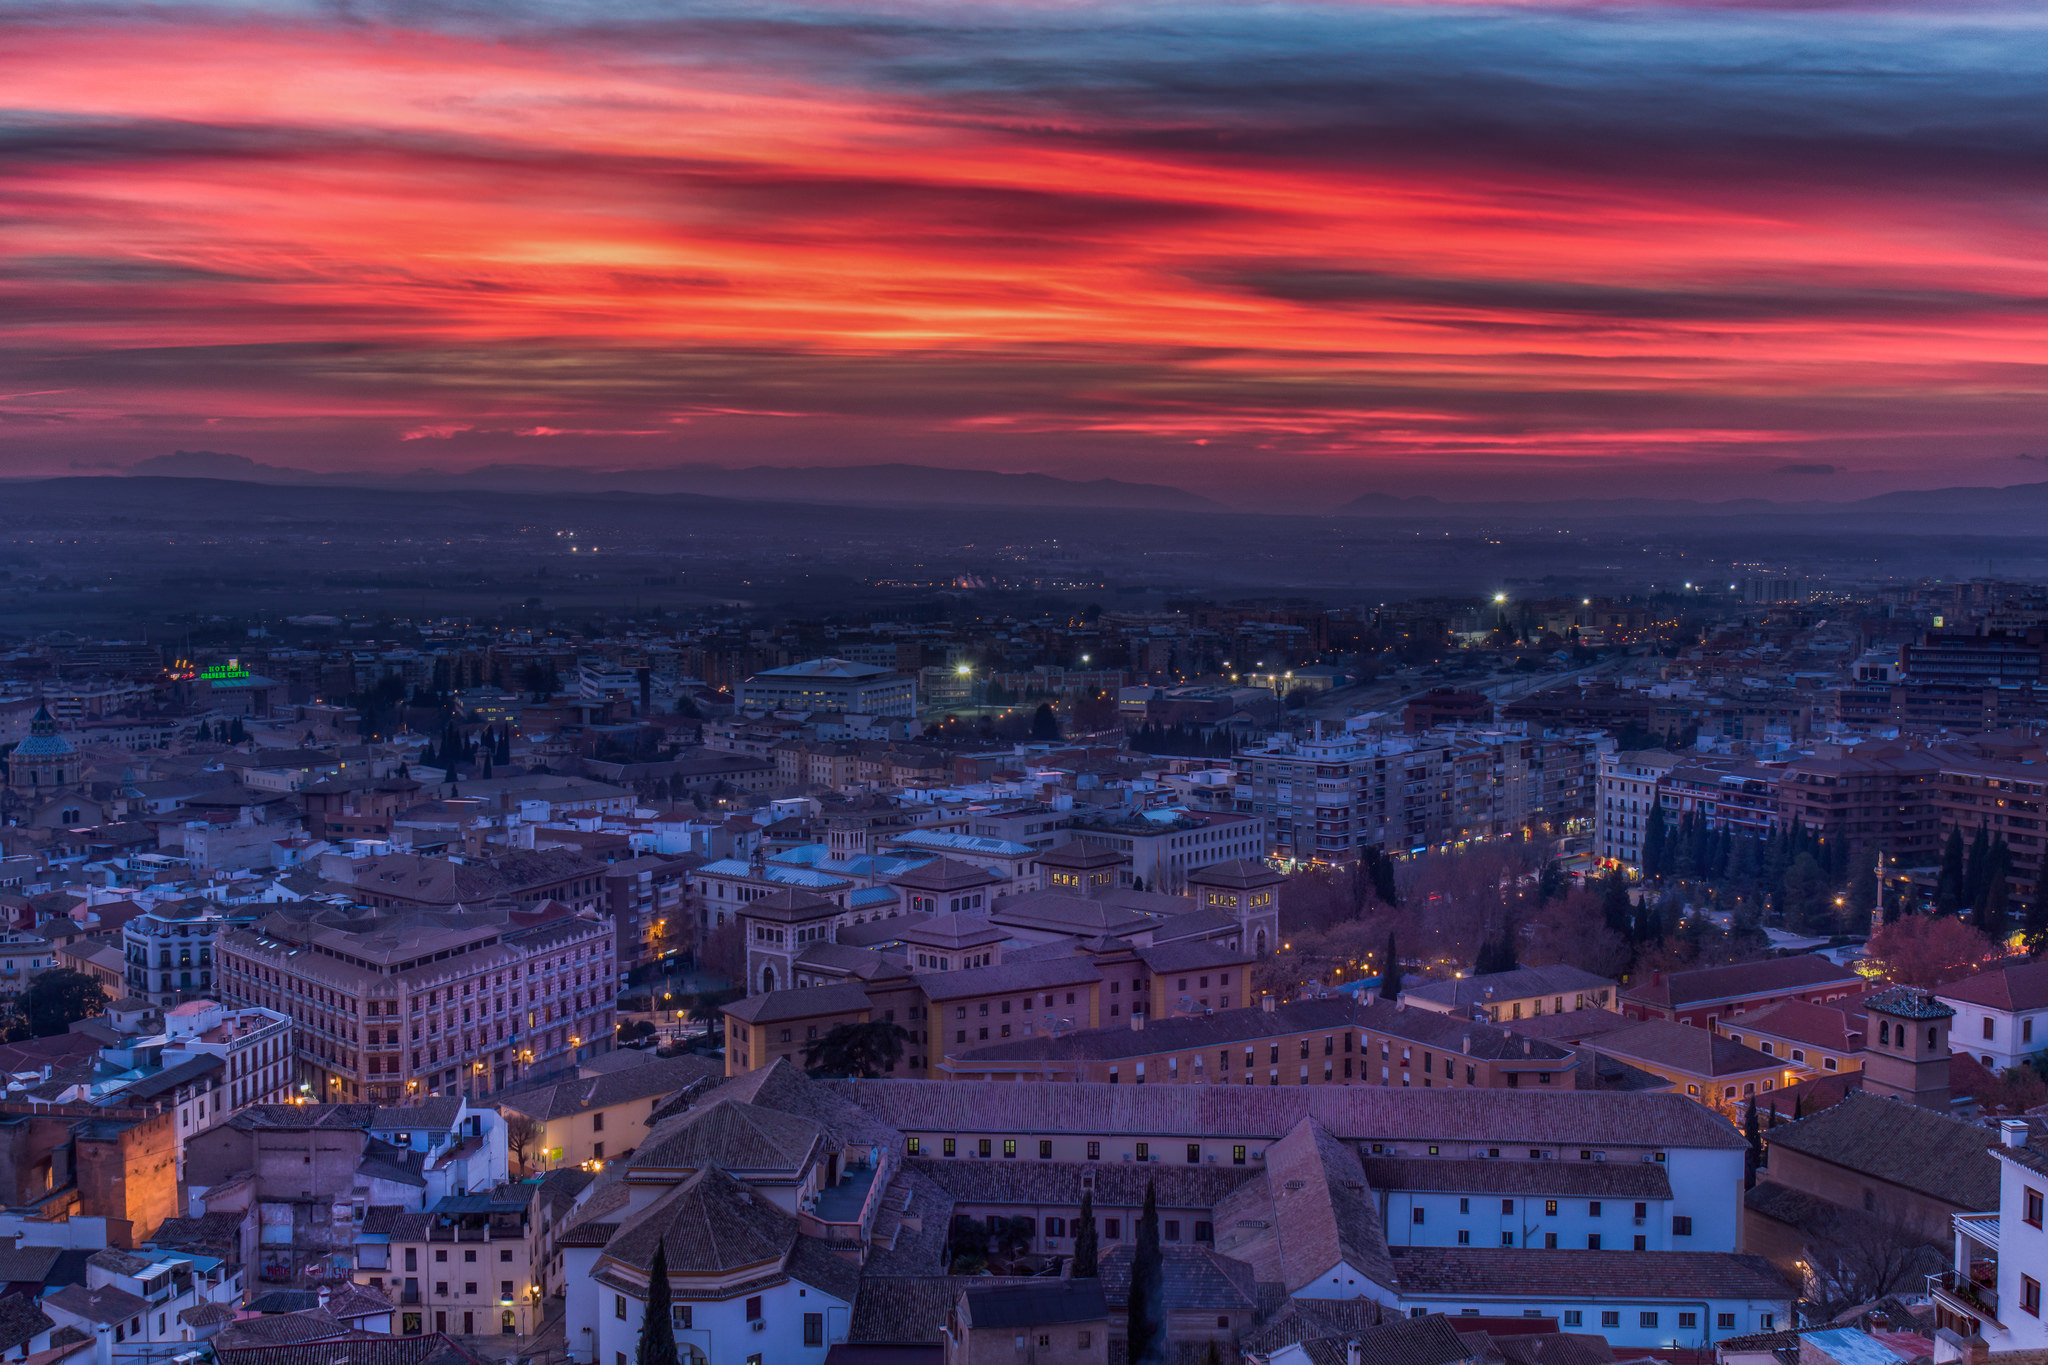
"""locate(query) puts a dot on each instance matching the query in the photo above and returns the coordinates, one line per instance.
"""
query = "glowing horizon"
(1299, 246)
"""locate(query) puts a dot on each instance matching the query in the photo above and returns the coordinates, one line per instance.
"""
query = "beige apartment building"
(388, 1008)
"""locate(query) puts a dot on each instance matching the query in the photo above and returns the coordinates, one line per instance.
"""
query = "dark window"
(2030, 1295)
(1194, 1151)
(1415, 1215)
(1112, 1228)
(814, 1329)
(1045, 1149)
(1172, 1230)
(1205, 1232)
(754, 1309)
(1681, 1225)
(1237, 1156)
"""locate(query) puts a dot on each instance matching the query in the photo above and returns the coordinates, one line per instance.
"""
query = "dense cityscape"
(828, 986)
(887, 682)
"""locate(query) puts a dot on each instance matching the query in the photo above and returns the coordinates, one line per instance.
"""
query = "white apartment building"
(2001, 1254)
(1628, 789)
(2001, 1015)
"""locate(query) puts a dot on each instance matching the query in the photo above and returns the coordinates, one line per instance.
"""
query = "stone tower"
(1905, 1047)
(1247, 891)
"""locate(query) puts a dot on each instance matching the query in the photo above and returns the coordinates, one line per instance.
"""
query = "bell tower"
(1905, 1047)
(1248, 892)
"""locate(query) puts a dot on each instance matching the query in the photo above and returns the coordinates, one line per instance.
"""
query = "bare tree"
(522, 1132)
(1856, 1255)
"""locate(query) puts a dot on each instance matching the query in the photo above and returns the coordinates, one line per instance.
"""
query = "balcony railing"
(1974, 1297)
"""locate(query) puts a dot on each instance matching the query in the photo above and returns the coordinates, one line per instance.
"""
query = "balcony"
(1966, 1293)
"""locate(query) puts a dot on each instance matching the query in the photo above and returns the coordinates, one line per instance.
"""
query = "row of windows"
(1142, 1151)
(1611, 1318)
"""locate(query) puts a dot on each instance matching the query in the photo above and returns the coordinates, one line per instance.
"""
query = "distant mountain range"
(2028, 500)
(877, 484)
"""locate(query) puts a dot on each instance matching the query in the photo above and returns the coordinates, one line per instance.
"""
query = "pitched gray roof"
(1023, 1306)
(1462, 994)
(710, 1224)
(1196, 1278)
(732, 1134)
(1306, 1213)
(1900, 1144)
(654, 1076)
(1681, 1275)
(1563, 1118)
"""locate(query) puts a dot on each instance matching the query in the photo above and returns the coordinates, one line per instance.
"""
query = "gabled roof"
(653, 1077)
(1196, 1279)
(799, 1002)
(1463, 993)
(1307, 1214)
(1022, 1306)
(1683, 1048)
(946, 874)
(1679, 1275)
(1239, 874)
(1503, 1117)
(1900, 1144)
(1742, 980)
(2010, 989)
(21, 1321)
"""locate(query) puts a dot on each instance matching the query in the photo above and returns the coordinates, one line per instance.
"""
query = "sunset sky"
(1272, 252)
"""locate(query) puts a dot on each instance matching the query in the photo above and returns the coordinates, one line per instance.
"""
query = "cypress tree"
(1146, 1314)
(1383, 881)
(1390, 973)
(1977, 870)
(1752, 1158)
(657, 1330)
(1948, 886)
(1655, 836)
(1084, 1239)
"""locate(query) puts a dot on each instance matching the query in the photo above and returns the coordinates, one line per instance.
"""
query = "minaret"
(1877, 911)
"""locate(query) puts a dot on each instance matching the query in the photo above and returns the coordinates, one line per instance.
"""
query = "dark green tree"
(1085, 1248)
(1753, 1157)
(1615, 905)
(657, 1329)
(1977, 870)
(864, 1050)
(1146, 1314)
(1948, 885)
(1383, 880)
(1045, 726)
(1552, 882)
(1390, 970)
(1655, 836)
(58, 998)
(1993, 910)
(1808, 907)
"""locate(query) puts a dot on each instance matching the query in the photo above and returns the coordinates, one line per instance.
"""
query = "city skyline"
(1266, 256)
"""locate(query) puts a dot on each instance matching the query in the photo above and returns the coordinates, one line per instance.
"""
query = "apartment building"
(394, 1007)
(1165, 848)
(170, 951)
(830, 685)
(1869, 797)
(1628, 792)
(2001, 1015)
(464, 1266)
(401, 881)
(1327, 798)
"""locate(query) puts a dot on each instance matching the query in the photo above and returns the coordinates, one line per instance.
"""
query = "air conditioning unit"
(759, 1324)
(1599, 1156)
(1211, 1159)
(1127, 1156)
(1641, 1221)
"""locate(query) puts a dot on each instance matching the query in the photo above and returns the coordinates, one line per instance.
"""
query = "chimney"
(1657, 977)
(1467, 1041)
(1267, 1003)
(325, 1294)
(1354, 1354)
(1526, 1047)
(1137, 1022)
(2012, 1132)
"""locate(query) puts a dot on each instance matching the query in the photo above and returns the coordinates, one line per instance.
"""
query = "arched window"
(1884, 1031)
